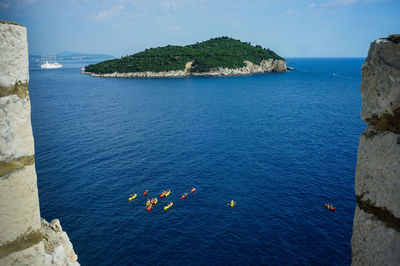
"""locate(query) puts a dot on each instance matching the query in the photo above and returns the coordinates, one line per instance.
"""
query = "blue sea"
(281, 145)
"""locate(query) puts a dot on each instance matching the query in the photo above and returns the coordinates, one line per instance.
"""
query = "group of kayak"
(150, 203)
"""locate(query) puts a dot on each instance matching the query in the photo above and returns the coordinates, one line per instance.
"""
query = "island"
(222, 56)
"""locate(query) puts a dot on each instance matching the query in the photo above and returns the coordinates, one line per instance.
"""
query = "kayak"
(193, 190)
(148, 203)
(166, 207)
(184, 195)
(133, 196)
(232, 203)
(154, 201)
(145, 193)
(149, 208)
(330, 207)
(168, 192)
(163, 194)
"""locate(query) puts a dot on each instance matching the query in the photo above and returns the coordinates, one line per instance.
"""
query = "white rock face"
(250, 68)
(57, 245)
(14, 65)
(373, 243)
(16, 138)
(380, 87)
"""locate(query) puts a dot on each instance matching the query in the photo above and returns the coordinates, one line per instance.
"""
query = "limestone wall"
(20, 237)
(21, 232)
(376, 227)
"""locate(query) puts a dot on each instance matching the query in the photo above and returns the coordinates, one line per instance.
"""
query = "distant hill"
(70, 56)
(205, 56)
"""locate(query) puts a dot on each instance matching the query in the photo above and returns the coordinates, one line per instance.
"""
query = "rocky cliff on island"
(376, 227)
(216, 57)
(25, 239)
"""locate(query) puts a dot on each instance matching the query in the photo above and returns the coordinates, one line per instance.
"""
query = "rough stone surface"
(378, 169)
(14, 64)
(16, 138)
(57, 244)
(373, 243)
(250, 68)
(32, 256)
(19, 204)
(380, 87)
(21, 238)
(376, 227)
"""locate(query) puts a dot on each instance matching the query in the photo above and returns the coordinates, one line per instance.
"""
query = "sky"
(291, 28)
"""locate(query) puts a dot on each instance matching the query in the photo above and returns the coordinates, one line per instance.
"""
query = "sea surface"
(281, 145)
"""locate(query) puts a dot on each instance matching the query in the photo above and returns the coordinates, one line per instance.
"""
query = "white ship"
(49, 62)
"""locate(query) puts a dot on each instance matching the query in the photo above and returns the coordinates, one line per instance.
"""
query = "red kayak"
(149, 208)
(163, 194)
(193, 190)
(184, 195)
(330, 207)
(145, 193)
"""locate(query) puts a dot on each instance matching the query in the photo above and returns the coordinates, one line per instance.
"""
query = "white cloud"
(106, 14)
(170, 5)
(332, 3)
(291, 13)
(312, 5)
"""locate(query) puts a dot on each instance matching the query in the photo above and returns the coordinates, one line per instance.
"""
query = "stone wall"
(21, 233)
(376, 227)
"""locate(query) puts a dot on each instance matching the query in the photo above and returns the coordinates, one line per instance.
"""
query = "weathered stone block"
(14, 54)
(373, 243)
(19, 204)
(380, 87)
(378, 169)
(32, 256)
(16, 139)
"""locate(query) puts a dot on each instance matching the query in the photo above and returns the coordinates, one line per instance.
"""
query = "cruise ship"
(49, 62)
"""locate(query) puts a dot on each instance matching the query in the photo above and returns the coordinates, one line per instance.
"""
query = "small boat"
(330, 206)
(184, 195)
(132, 196)
(168, 193)
(232, 203)
(163, 194)
(145, 193)
(166, 207)
(193, 190)
(149, 208)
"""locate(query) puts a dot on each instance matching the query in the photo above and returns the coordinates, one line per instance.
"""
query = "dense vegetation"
(217, 52)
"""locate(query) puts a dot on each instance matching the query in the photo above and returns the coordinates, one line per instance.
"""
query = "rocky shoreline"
(265, 66)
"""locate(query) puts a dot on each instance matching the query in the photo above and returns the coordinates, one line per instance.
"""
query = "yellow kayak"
(133, 196)
(232, 203)
(166, 207)
(168, 192)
